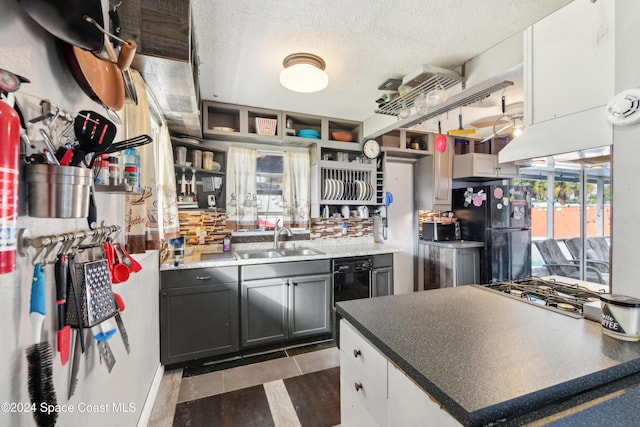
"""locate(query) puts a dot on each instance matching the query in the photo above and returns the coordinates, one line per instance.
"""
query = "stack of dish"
(335, 189)
(309, 133)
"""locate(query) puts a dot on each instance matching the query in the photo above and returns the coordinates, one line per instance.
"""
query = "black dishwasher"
(351, 280)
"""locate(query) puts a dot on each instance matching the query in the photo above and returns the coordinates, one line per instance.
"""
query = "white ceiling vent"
(624, 108)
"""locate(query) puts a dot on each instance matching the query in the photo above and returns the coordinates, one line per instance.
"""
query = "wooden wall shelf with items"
(200, 172)
(231, 122)
(407, 143)
(329, 129)
(342, 175)
(238, 123)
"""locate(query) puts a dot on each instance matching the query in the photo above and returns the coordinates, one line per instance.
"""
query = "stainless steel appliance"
(557, 296)
(500, 217)
(439, 231)
(351, 280)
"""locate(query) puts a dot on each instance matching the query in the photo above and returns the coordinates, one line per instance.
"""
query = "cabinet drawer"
(197, 276)
(353, 411)
(385, 260)
(357, 354)
(362, 390)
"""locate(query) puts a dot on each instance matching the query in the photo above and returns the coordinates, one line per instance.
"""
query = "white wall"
(28, 50)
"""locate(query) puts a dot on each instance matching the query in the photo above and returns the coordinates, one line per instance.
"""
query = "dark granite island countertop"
(486, 357)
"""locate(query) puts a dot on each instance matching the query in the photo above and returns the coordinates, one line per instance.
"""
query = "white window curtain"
(296, 189)
(242, 206)
(152, 216)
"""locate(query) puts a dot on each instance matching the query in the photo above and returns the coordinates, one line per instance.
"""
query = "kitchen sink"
(259, 254)
(217, 256)
(277, 253)
(300, 252)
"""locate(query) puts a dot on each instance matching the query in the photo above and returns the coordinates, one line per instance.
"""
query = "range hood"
(174, 86)
(574, 132)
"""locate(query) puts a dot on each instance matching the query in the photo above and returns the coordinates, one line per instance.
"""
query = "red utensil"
(133, 265)
(64, 330)
(119, 271)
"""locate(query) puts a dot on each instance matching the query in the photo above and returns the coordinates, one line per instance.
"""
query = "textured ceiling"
(241, 45)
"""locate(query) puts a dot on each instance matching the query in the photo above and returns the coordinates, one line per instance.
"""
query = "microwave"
(440, 231)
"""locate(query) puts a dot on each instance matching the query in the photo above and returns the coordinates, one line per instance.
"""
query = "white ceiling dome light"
(624, 108)
(304, 72)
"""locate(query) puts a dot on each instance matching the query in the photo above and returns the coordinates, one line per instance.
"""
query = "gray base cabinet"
(446, 266)
(382, 275)
(198, 313)
(284, 301)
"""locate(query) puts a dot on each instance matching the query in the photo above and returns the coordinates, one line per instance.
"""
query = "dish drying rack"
(425, 82)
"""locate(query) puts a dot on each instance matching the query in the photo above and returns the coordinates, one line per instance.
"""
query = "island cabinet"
(283, 301)
(198, 313)
(373, 391)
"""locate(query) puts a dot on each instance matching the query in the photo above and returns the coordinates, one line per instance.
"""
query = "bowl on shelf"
(309, 133)
(223, 129)
(343, 136)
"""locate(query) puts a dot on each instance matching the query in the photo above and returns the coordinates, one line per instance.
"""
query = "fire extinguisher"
(9, 174)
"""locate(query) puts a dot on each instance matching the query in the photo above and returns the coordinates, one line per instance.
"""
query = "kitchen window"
(264, 187)
(269, 169)
(571, 203)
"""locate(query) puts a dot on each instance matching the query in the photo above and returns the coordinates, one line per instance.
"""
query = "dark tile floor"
(293, 387)
(314, 397)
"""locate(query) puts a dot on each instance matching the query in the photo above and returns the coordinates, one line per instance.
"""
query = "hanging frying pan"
(64, 19)
(99, 78)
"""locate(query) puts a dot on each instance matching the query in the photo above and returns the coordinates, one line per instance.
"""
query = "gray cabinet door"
(198, 321)
(264, 311)
(382, 281)
(309, 301)
(467, 266)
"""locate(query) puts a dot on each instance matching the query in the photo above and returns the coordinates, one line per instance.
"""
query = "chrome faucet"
(276, 233)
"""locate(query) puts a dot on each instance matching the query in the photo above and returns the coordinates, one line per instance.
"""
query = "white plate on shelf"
(340, 191)
(329, 183)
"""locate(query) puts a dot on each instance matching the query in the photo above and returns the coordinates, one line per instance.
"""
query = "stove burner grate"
(558, 296)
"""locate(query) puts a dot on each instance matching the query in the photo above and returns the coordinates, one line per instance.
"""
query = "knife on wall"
(120, 323)
(75, 364)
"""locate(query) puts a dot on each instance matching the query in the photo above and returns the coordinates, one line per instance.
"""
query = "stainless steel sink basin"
(300, 252)
(259, 254)
(218, 256)
(270, 253)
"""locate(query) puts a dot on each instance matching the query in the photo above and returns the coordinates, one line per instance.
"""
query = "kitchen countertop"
(332, 249)
(486, 357)
(453, 244)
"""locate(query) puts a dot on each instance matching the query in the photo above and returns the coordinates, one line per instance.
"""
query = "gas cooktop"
(557, 296)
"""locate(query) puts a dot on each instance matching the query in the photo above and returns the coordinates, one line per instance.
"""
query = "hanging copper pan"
(99, 78)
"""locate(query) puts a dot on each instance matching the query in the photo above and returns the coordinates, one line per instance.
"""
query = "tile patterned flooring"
(298, 388)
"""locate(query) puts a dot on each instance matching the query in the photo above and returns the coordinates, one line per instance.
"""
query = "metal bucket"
(58, 191)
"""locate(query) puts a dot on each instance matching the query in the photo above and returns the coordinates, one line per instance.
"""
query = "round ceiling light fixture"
(304, 72)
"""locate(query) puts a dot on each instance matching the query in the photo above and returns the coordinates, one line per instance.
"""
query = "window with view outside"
(556, 213)
(269, 170)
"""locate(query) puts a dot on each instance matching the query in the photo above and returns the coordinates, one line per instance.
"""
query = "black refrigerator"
(500, 217)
